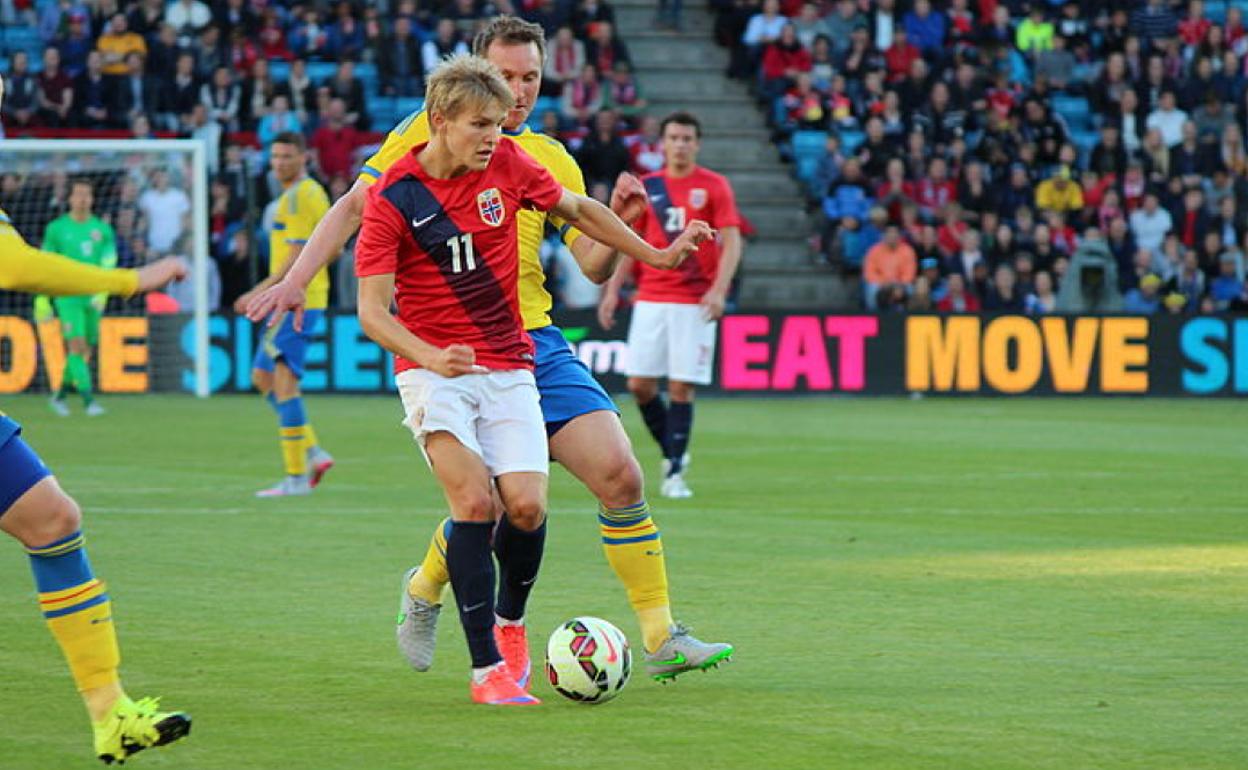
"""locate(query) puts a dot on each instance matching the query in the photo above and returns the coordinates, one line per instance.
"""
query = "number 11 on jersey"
(463, 256)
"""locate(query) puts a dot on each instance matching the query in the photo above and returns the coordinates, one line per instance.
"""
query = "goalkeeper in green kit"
(83, 237)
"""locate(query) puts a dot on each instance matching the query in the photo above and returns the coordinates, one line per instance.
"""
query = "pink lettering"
(801, 353)
(853, 332)
(739, 354)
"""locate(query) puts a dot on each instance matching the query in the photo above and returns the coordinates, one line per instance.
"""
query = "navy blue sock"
(471, 566)
(679, 425)
(519, 556)
(654, 413)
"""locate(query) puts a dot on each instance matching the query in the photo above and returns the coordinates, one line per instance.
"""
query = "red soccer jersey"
(674, 202)
(451, 244)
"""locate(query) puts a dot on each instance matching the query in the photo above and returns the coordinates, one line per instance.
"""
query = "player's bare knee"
(643, 389)
(621, 482)
(60, 517)
(681, 392)
(473, 506)
(527, 512)
(262, 381)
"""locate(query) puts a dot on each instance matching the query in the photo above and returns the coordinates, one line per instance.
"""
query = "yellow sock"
(294, 450)
(78, 613)
(309, 437)
(430, 580)
(634, 549)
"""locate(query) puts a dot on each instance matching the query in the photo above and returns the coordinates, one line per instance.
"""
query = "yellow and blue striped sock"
(634, 549)
(76, 607)
(294, 435)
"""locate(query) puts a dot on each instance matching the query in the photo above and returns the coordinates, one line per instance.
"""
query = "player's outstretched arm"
(324, 246)
(600, 223)
(376, 294)
(30, 270)
(598, 261)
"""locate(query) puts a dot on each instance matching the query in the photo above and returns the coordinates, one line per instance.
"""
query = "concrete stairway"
(685, 71)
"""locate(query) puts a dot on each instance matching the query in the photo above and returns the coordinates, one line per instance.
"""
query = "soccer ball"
(588, 660)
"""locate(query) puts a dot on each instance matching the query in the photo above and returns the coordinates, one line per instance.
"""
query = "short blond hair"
(463, 82)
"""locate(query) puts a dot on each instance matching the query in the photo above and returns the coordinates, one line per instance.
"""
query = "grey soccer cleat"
(58, 406)
(682, 652)
(417, 626)
(290, 486)
(674, 487)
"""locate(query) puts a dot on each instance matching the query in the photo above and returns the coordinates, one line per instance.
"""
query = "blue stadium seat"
(279, 70)
(851, 140)
(320, 71)
(406, 105)
(1074, 109)
(1084, 140)
(382, 110)
(808, 142)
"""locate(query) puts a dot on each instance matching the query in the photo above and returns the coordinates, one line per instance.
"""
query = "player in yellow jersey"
(35, 511)
(582, 423)
(278, 366)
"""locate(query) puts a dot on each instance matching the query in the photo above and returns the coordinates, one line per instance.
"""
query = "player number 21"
(675, 219)
(463, 256)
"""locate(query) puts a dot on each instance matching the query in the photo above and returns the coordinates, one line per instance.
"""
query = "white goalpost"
(154, 195)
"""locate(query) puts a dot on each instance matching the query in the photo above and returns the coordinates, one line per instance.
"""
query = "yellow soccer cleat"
(133, 726)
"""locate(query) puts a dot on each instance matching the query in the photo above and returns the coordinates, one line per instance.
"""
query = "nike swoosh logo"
(528, 582)
(656, 197)
(679, 660)
(654, 553)
(422, 222)
(108, 619)
(476, 606)
(611, 656)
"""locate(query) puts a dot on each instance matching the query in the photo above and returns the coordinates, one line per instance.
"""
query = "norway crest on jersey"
(490, 207)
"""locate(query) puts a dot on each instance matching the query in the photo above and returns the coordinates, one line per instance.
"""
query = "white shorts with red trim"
(496, 415)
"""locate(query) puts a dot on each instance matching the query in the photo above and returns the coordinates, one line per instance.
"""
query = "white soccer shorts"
(496, 415)
(673, 340)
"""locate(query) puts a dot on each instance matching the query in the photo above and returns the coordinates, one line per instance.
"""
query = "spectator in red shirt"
(935, 190)
(1195, 28)
(335, 141)
(783, 60)
(54, 92)
(900, 55)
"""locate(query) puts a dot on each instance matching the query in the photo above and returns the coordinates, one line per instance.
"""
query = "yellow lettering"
(123, 355)
(942, 353)
(996, 360)
(1124, 344)
(1070, 364)
(23, 354)
(53, 347)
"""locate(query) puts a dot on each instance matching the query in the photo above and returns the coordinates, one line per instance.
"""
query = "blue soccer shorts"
(282, 343)
(20, 467)
(567, 387)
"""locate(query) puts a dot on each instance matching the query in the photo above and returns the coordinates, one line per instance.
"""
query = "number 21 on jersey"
(675, 219)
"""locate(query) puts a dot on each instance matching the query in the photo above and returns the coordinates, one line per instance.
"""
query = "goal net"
(150, 197)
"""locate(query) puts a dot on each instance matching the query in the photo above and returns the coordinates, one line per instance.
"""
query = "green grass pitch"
(952, 584)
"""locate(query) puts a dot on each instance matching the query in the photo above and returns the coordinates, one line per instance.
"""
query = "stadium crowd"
(236, 73)
(1013, 156)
